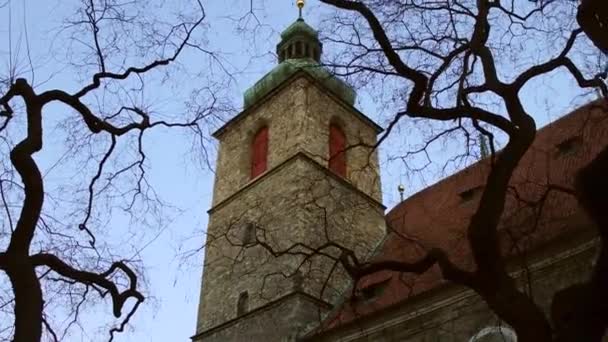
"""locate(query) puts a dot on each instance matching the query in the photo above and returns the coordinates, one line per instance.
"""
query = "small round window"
(495, 334)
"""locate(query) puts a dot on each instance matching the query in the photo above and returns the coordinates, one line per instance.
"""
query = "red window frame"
(337, 153)
(259, 152)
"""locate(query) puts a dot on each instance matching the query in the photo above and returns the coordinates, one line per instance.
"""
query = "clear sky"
(179, 178)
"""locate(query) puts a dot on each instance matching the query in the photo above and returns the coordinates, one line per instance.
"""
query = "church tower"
(295, 172)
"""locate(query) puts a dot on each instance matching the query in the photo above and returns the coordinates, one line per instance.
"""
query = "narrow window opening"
(242, 305)
(306, 50)
(470, 194)
(569, 146)
(337, 153)
(297, 281)
(259, 152)
(298, 49)
(249, 234)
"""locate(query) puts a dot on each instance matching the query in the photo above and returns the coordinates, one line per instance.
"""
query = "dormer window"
(569, 146)
(259, 152)
(372, 291)
(470, 193)
(337, 150)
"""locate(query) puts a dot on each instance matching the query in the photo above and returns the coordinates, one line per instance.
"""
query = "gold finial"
(300, 4)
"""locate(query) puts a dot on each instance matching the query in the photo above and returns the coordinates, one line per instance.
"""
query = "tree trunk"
(28, 300)
(19, 268)
(516, 309)
(588, 317)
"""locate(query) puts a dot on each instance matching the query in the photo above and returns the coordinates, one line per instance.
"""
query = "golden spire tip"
(300, 4)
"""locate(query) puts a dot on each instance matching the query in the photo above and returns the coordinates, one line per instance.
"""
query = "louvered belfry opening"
(259, 152)
(299, 41)
(337, 153)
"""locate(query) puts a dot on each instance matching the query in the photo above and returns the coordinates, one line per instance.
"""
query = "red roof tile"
(438, 217)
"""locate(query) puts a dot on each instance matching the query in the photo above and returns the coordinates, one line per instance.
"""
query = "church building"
(297, 175)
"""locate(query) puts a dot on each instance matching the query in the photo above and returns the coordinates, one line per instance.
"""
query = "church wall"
(455, 314)
(299, 201)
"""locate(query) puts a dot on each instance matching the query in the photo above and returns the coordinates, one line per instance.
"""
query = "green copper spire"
(299, 49)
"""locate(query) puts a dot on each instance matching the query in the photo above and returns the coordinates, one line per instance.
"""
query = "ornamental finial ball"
(300, 3)
(401, 189)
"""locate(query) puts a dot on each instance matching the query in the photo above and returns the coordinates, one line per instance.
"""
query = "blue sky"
(179, 177)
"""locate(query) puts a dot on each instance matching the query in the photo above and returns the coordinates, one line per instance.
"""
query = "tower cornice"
(298, 156)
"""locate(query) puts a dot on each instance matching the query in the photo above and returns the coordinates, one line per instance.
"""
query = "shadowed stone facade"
(280, 320)
(298, 201)
(452, 313)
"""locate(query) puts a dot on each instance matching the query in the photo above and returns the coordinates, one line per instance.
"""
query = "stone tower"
(295, 171)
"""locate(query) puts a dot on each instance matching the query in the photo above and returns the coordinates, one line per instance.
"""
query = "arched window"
(495, 334)
(242, 306)
(259, 152)
(337, 154)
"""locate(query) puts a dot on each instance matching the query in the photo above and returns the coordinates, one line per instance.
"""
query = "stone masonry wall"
(299, 201)
(298, 118)
(296, 205)
(262, 325)
(361, 158)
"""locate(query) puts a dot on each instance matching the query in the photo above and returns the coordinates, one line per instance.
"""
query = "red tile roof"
(438, 217)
